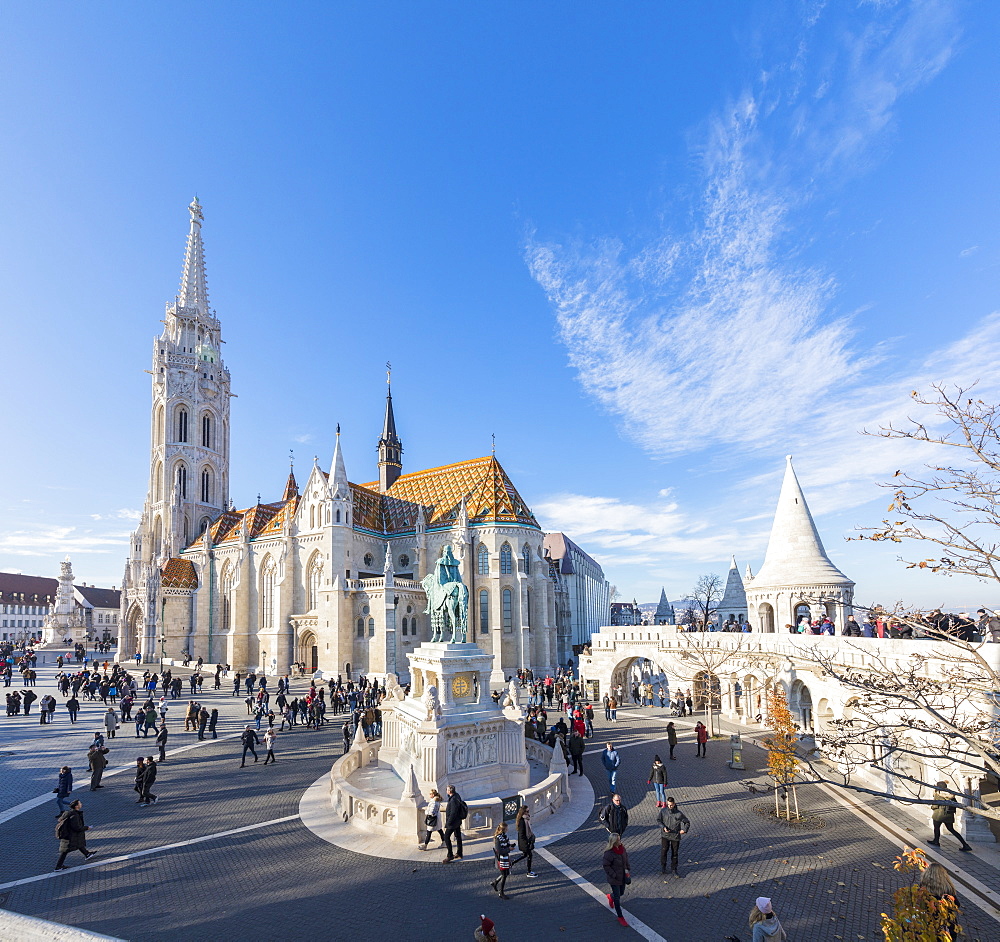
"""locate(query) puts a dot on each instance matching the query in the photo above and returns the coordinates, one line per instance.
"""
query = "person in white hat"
(764, 923)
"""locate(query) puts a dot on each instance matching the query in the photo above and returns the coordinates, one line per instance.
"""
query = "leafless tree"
(706, 592)
(954, 503)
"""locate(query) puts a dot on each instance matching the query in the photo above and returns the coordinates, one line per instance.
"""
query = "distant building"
(27, 601)
(626, 613)
(664, 614)
(582, 594)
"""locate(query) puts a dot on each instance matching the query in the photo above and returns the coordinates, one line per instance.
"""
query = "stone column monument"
(63, 621)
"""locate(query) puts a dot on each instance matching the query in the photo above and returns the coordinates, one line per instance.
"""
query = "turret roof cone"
(795, 554)
(338, 470)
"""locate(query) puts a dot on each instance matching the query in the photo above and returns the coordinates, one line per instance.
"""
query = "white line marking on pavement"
(149, 850)
(567, 871)
(42, 799)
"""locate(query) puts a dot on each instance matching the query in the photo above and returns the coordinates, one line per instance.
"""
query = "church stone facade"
(328, 575)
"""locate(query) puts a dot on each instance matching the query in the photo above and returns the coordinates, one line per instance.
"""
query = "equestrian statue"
(447, 599)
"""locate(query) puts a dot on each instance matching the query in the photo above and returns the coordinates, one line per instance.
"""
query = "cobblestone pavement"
(279, 881)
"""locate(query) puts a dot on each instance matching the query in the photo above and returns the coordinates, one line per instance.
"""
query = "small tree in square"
(781, 745)
(918, 914)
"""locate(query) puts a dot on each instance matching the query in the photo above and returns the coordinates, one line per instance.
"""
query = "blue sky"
(653, 247)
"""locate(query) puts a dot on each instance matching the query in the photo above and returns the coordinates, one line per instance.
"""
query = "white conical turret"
(795, 554)
(733, 606)
(194, 282)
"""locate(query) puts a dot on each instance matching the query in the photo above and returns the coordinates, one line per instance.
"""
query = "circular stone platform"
(319, 817)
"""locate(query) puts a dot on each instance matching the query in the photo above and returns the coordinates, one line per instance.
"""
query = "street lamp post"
(163, 642)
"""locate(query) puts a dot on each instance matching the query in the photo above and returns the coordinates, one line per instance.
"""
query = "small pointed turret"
(748, 574)
(664, 614)
(390, 448)
(733, 605)
(194, 283)
(291, 488)
(795, 553)
(339, 485)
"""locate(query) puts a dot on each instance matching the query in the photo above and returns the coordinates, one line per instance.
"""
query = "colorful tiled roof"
(490, 497)
(179, 574)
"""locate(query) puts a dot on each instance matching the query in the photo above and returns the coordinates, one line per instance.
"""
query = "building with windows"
(582, 594)
(626, 613)
(329, 575)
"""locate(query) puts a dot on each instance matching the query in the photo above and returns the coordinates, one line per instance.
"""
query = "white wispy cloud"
(716, 335)
(50, 540)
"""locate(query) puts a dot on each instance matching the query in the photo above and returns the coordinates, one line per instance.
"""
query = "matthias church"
(327, 574)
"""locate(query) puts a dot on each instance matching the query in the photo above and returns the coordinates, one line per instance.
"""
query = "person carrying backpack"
(71, 830)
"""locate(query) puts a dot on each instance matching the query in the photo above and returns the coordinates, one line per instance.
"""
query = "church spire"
(194, 284)
(390, 448)
(338, 471)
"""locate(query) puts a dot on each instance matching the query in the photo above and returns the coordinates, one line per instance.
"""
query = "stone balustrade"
(380, 815)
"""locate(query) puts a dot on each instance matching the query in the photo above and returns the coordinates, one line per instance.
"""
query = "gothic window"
(182, 424)
(506, 560)
(206, 486)
(526, 559)
(312, 517)
(405, 626)
(369, 559)
(206, 431)
(158, 425)
(361, 627)
(267, 578)
(227, 595)
(182, 481)
(338, 516)
(157, 481)
(483, 561)
(484, 612)
(404, 561)
(508, 610)
(315, 580)
(371, 627)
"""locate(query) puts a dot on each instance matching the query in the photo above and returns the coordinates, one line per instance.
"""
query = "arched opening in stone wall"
(641, 671)
(705, 685)
(132, 635)
(824, 716)
(801, 705)
(765, 614)
(308, 651)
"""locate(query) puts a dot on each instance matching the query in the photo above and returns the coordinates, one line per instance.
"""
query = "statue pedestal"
(450, 730)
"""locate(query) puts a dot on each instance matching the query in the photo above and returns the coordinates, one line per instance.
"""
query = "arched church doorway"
(131, 640)
(308, 652)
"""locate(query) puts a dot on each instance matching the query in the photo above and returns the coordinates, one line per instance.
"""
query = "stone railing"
(380, 815)
(379, 583)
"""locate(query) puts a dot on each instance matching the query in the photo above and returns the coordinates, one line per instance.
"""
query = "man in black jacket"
(249, 739)
(148, 777)
(673, 823)
(614, 815)
(71, 830)
(576, 748)
(161, 740)
(455, 813)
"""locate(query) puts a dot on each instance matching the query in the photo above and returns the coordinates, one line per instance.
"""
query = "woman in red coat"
(701, 734)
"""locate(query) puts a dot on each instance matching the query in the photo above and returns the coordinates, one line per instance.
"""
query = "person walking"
(455, 813)
(148, 778)
(613, 708)
(614, 815)
(249, 740)
(764, 922)
(525, 838)
(140, 771)
(98, 763)
(202, 722)
(432, 818)
(671, 738)
(611, 760)
(111, 722)
(607, 708)
(936, 880)
(615, 863)
(674, 824)
(658, 779)
(72, 707)
(943, 813)
(347, 736)
(161, 740)
(71, 830)
(64, 787)
(213, 721)
(269, 737)
(501, 853)
(577, 745)
(701, 734)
